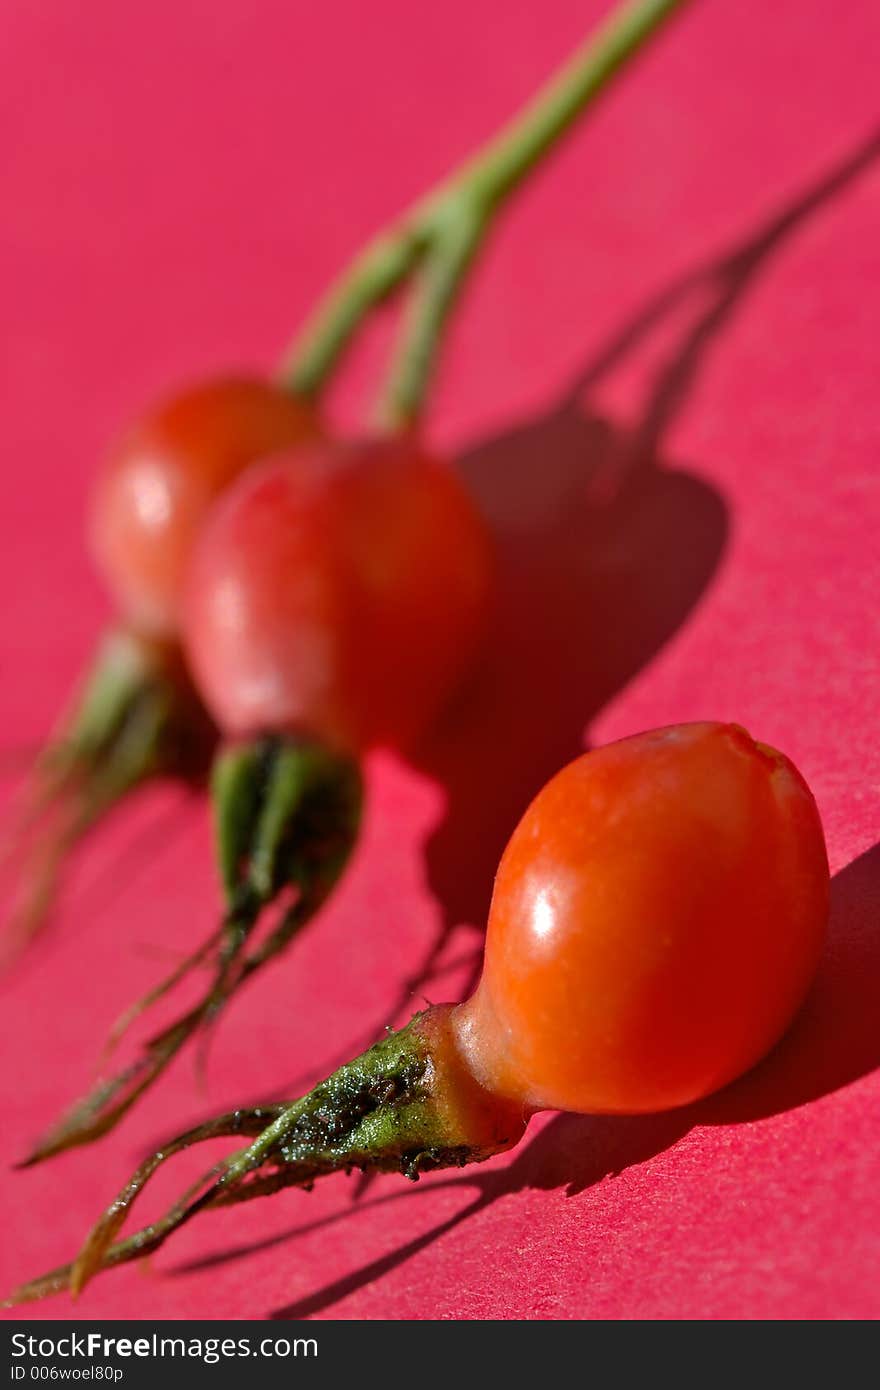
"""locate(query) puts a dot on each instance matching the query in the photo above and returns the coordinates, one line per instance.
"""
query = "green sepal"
(119, 675)
(381, 1112)
(135, 717)
(236, 779)
(287, 812)
(294, 770)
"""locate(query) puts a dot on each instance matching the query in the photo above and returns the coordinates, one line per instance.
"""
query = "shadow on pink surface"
(833, 1043)
(605, 551)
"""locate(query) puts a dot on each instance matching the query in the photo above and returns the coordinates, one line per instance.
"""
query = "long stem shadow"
(605, 549)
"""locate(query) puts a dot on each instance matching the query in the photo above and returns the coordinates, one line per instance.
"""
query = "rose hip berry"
(153, 494)
(657, 919)
(340, 593)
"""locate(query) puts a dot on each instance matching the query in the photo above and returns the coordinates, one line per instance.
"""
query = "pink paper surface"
(691, 282)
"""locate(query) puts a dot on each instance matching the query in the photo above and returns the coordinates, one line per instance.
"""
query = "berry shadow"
(834, 1042)
(605, 549)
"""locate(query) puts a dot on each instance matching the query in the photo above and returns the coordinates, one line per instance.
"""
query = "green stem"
(377, 271)
(432, 302)
(444, 230)
(515, 151)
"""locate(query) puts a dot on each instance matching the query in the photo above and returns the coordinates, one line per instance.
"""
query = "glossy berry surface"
(657, 919)
(151, 497)
(339, 592)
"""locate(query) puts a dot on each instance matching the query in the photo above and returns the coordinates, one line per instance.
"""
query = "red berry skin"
(657, 918)
(340, 591)
(151, 497)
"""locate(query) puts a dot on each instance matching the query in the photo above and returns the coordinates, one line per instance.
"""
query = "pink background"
(178, 182)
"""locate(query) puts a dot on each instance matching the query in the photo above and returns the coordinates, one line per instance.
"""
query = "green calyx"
(287, 815)
(287, 812)
(378, 1112)
(381, 1112)
(136, 717)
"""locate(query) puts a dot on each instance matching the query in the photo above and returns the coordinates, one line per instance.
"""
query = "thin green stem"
(502, 164)
(368, 280)
(441, 234)
(438, 287)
